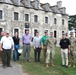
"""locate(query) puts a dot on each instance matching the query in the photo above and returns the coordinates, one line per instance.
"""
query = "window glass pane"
(0, 14)
(55, 21)
(15, 16)
(26, 17)
(46, 19)
(35, 18)
(62, 21)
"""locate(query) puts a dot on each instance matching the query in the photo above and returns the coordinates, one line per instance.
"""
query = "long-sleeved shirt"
(37, 42)
(26, 39)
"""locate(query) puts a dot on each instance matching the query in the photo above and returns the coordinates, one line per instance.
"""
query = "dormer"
(63, 10)
(16, 2)
(46, 7)
(26, 3)
(55, 9)
(6, 1)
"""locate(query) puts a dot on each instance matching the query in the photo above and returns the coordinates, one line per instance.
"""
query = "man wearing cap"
(43, 41)
(72, 50)
(6, 45)
(26, 39)
(2, 34)
(51, 41)
(65, 49)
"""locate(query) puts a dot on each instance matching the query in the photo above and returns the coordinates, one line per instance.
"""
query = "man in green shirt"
(1, 35)
(43, 41)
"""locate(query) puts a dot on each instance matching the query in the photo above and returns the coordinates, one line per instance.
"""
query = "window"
(15, 15)
(26, 17)
(0, 14)
(62, 21)
(55, 21)
(46, 19)
(35, 18)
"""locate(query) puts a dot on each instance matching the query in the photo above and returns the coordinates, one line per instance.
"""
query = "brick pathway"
(14, 70)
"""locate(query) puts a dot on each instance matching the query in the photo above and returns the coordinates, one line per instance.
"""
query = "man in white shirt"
(6, 45)
(37, 47)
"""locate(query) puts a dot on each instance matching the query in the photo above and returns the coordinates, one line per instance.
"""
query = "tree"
(72, 21)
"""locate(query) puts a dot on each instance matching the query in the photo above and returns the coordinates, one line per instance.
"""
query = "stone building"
(17, 15)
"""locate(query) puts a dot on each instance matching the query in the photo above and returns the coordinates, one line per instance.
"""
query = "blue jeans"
(15, 52)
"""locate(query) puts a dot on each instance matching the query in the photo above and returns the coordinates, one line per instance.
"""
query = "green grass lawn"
(38, 68)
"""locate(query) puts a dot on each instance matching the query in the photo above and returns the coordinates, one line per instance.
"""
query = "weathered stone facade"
(32, 8)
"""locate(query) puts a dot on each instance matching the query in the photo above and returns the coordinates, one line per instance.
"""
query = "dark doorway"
(1, 30)
(55, 34)
(35, 32)
(16, 30)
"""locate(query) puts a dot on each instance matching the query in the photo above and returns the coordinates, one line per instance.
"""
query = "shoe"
(4, 66)
(66, 66)
(62, 65)
(28, 60)
(9, 66)
(47, 66)
(0, 62)
(52, 65)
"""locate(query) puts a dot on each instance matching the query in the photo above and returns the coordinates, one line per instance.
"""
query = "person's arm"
(1, 42)
(22, 39)
(69, 45)
(12, 44)
(41, 42)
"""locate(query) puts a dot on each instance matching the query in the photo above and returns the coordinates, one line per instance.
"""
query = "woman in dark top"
(16, 40)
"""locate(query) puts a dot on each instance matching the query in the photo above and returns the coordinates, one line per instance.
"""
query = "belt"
(27, 44)
(6, 49)
(64, 48)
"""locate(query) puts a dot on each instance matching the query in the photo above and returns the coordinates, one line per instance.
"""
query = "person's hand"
(34, 48)
(1, 49)
(42, 47)
(68, 51)
(12, 49)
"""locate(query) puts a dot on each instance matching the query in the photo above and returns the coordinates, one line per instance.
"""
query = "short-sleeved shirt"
(16, 40)
(43, 40)
(64, 43)
(7, 42)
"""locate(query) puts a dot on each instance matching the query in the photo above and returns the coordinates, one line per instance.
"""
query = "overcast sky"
(69, 4)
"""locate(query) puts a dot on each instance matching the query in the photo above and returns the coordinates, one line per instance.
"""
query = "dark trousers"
(6, 56)
(37, 52)
(0, 56)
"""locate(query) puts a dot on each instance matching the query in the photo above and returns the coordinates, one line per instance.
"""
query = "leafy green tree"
(72, 22)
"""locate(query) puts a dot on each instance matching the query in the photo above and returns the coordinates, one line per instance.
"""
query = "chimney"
(59, 4)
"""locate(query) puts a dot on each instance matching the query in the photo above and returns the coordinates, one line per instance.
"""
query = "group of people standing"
(68, 50)
(8, 43)
(45, 43)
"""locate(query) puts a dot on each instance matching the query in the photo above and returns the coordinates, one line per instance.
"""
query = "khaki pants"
(64, 55)
(44, 52)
